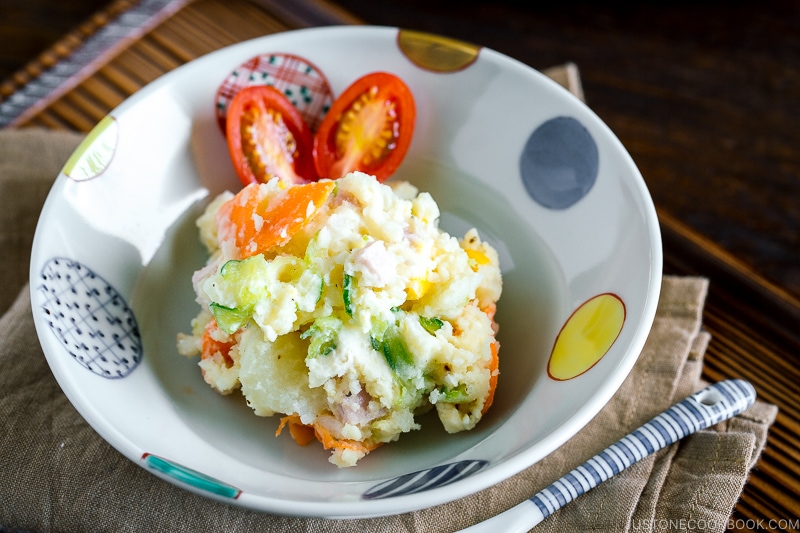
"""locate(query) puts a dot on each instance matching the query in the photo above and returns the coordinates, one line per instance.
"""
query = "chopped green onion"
(347, 294)
(431, 324)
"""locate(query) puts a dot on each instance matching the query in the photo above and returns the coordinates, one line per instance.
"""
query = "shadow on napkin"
(59, 475)
(30, 160)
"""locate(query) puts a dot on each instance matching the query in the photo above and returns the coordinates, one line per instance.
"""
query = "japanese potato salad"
(342, 308)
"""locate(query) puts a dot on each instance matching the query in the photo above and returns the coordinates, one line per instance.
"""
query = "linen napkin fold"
(57, 474)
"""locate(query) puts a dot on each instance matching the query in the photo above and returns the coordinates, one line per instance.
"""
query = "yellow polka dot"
(586, 336)
(94, 153)
(433, 52)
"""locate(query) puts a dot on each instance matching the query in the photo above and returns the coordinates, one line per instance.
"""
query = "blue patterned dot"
(423, 480)
(75, 320)
(559, 163)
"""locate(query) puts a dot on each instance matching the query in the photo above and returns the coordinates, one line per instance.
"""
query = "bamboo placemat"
(755, 327)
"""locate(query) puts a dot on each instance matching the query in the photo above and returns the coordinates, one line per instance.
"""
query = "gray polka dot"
(559, 163)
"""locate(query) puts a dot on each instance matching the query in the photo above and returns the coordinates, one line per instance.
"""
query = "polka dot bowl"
(501, 147)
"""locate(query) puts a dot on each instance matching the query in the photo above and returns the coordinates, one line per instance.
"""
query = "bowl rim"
(436, 496)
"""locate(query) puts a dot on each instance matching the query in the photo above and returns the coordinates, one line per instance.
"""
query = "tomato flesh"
(368, 128)
(268, 138)
(367, 132)
(267, 143)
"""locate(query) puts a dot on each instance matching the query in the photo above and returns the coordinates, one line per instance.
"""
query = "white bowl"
(500, 146)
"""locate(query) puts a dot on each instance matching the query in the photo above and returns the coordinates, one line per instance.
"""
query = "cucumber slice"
(323, 333)
(229, 319)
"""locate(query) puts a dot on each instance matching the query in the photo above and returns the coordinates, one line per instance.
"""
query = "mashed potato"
(342, 307)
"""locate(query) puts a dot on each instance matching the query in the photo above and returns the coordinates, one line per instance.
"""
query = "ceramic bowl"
(500, 146)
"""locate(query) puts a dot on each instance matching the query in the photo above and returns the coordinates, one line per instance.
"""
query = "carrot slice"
(494, 369)
(301, 433)
(490, 310)
(256, 223)
(329, 441)
(494, 364)
(211, 346)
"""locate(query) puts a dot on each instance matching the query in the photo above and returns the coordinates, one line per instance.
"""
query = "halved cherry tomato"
(368, 128)
(268, 137)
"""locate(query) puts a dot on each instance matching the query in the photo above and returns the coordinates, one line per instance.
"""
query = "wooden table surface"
(705, 95)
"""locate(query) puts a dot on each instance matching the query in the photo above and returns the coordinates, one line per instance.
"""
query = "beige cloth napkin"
(57, 474)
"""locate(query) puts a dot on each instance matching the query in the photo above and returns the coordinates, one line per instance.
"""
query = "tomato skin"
(251, 123)
(348, 140)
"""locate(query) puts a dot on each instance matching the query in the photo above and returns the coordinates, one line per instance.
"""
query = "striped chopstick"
(699, 411)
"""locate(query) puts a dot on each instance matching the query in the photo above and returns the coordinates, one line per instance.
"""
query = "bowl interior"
(530, 275)
(132, 226)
